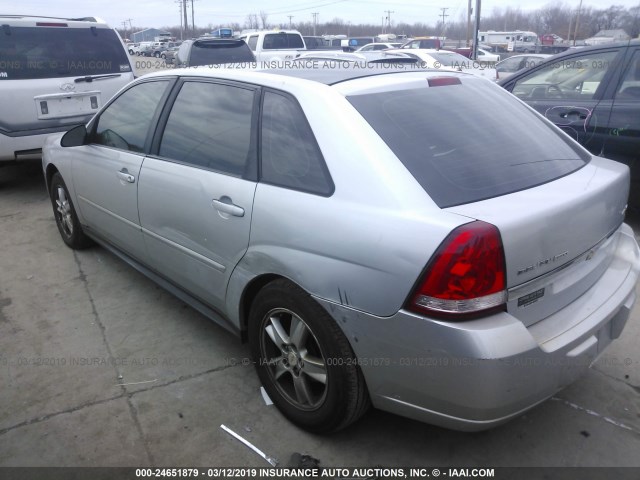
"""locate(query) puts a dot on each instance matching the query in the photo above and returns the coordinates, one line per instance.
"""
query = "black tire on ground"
(65, 215)
(304, 360)
(130, 51)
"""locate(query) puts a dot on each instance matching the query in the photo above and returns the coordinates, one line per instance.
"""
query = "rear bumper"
(477, 374)
(25, 146)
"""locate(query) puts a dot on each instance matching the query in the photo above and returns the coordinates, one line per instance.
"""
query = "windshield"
(461, 142)
(52, 52)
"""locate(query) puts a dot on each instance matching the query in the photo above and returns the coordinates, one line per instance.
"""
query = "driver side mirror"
(75, 137)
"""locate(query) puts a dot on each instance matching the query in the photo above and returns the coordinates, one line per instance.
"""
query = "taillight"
(465, 276)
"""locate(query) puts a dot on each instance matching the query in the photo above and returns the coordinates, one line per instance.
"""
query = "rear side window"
(275, 41)
(215, 53)
(253, 42)
(125, 123)
(290, 155)
(210, 126)
(54, 52)
(468, 142)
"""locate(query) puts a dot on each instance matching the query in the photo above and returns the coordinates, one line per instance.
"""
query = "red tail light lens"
(466, 275)
(443, 81)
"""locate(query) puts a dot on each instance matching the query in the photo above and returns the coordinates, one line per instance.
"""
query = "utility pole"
(193, 22)
(575, 33)
(443, 15)
(388, 12)
(186, 19)
(469, 11)
(315, 21)
(179, 2)
(290, 17)
(476, 28)
(124, 27)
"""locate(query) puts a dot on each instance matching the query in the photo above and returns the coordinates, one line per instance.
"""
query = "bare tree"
(251, 21)
(263, 18)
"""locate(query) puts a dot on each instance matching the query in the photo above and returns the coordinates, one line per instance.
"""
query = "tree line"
(559, 19)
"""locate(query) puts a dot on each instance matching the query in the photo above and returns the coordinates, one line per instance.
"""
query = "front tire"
(304, 360)
(65, 215)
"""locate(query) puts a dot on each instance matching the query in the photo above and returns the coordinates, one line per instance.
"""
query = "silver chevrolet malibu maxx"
(357, 229)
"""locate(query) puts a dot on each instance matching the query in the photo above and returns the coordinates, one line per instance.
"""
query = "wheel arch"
(248, 296)
(49, 173)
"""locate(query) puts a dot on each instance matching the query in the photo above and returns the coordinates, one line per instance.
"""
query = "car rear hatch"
(486, 156)
(558, 237)
(64, 71)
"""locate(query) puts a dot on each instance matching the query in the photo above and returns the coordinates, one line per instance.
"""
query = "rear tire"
(65, 215)
(304, 360)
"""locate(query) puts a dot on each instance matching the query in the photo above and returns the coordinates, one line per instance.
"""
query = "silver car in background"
(370, 250)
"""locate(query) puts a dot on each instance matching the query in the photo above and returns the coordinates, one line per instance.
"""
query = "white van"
(55, 73)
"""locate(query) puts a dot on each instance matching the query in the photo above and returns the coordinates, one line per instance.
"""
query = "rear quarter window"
(468, 142)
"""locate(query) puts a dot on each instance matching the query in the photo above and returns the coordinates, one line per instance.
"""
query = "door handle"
(580, 115)
(224, 205)
(126, 176)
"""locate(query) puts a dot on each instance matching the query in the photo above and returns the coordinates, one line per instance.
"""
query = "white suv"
(54, 73)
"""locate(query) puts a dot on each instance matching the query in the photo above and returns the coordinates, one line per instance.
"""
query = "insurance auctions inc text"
(334, 473)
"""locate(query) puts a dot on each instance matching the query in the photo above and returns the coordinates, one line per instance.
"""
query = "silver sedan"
(355, 226)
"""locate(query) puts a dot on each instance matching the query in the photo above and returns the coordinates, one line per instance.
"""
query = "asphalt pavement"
(100, 367)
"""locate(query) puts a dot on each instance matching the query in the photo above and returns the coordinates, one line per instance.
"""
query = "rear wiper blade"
(91, 78)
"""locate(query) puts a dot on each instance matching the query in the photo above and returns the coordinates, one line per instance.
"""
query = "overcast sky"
(159, 13)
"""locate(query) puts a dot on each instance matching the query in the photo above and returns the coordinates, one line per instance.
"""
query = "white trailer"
(512, 41)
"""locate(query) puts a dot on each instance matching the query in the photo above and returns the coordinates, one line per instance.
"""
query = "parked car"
(367, 251)
(141, 49)
(515, 63)
(158, 49)
(314, 43)
(131, 47)
(593, 94)
(169, 55)
(486, 56)
(433, 43)
(325, 59)
(54, 73)
(369, 47)
(445, 59)
(274, 45)
(213, 51)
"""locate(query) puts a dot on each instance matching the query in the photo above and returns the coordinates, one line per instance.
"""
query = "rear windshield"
(53, 52)
(470, 141)
(215, 53)
(275, 41)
